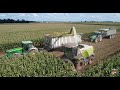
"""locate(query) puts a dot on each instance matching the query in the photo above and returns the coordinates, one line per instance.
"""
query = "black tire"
(96, 40)
(17, 55)
(91, 60)
(91, 40)
(110, 37)
(100, 38)
(80, 64)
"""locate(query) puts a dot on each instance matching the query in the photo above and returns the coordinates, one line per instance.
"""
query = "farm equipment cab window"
(80, 46)
(68, 51)
(93, 34)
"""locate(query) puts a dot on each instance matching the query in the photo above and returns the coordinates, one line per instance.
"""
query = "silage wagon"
(102, 33)
(56, 41)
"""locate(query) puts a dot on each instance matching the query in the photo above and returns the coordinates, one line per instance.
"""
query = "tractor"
(101, 33)
(95, 36)
(26, 49)
(80, 55)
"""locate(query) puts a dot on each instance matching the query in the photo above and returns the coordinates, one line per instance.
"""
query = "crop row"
(43, 65)
(46, 65)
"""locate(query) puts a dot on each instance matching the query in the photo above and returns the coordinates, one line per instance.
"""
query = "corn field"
(45, 64)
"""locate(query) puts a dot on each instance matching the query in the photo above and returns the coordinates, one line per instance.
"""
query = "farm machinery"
(99, 35)
(56, 41)
(26, 49)
(80, 54)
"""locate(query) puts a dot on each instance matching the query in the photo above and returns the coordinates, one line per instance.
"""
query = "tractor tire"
(110, 37)
(17, 55)
(91, 60)
(91, 40)
(96, 40)
(80, 64)
(100, 38)
(32, 53)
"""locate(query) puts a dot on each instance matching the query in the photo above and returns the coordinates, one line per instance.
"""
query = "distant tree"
(14, 21)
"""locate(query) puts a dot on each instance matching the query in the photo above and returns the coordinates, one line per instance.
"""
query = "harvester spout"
(73, 31)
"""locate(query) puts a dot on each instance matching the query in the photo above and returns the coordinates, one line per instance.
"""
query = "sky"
(62, 16)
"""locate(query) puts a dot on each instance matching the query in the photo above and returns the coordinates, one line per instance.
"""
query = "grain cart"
(26, 49)
(56, 41)
(81, 55)
(98, 35)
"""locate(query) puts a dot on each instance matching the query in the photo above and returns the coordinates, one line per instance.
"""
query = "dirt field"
(106, 47)
(1, 54)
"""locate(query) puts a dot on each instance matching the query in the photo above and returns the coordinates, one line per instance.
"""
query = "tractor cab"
(26, 45)
(94, 35)
(70, 50)
(75, 52)
(28, 48)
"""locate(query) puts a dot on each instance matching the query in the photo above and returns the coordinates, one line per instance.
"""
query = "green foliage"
(46, 65)
(43, 65)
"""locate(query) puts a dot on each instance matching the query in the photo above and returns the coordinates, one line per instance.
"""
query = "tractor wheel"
(80, 64)
(91, 60)
(16, 55)
(100, 39)
(32, 53)
(110, 37)
(96, 40)
(90, 40)
(113, 36)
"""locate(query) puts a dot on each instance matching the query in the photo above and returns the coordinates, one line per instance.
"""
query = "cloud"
(117, 15)
(2, 15)
(35, 15)
(63, 16)
(22, 14)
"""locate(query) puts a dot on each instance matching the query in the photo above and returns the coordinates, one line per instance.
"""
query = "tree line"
(14, 21)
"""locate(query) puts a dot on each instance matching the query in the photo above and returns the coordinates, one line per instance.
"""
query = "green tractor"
(26, 49)
(95, 36)
(102, 33)
(80, 55)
